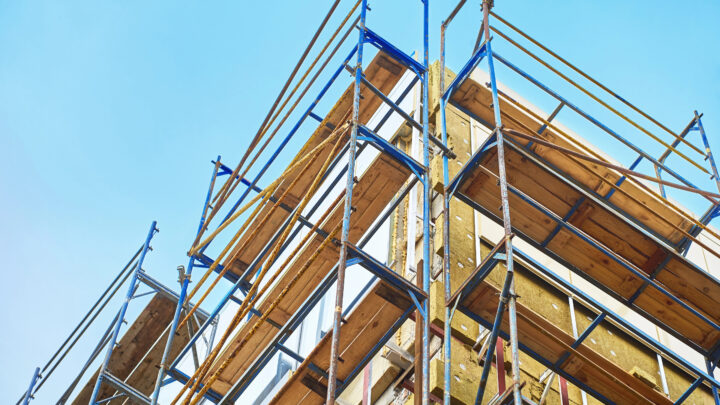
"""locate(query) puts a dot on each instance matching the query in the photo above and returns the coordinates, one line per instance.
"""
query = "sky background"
(111, 112)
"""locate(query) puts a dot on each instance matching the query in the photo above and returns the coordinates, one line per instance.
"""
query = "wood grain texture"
(551, 342)
(137, 347)
(477, 99)
(612, 230)
(374, 190)
(384, 73)
(372, 318)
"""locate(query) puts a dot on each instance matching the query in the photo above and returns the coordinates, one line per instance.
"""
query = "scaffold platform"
(365, 330)
(383, 73)
(614, 233)
(136, 356)
(374, 190)
(550, 344)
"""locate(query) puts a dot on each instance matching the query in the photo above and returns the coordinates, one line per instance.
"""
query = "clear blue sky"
(111, 111)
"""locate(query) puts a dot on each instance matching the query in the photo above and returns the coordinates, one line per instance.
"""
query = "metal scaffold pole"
(277, 298)
(185, 282)
(506, 139)
(427, 197)
(446, 229)
(28, 393)
(708, 153)
(507, 297)
(123, 309)
(344, 238)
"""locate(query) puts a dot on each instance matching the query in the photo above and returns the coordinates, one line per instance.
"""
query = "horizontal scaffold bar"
(380, 43)
(384, 146)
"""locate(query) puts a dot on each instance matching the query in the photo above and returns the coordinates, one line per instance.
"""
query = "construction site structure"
(504, 259)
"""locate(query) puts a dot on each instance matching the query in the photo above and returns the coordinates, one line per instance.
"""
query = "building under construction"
(436, 239)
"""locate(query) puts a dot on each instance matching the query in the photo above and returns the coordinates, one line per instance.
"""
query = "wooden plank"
(384, 73)
(480, 105)
(135, 343)
(374, 190)
(690, 282)
(481, 189)
(549, 341)
(609, 230)
(595, 264)
(680, 277)
(373, 317)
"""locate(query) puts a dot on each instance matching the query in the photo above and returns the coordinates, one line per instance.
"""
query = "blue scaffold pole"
(28, 394)
(427, 198)
(123, 310)
(183, 295)
(511, 297)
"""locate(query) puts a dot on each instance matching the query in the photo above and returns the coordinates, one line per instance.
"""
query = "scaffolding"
(273, 308)
(292, 242)
(129, 357)
(560, 189)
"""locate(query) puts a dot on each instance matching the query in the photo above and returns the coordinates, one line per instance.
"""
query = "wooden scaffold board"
(551, 342)
(384, 73)
(137, 350)
(380, 312)
(374, 190)
(557, 182)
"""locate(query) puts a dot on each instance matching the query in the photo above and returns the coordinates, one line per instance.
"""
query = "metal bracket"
(417, 304)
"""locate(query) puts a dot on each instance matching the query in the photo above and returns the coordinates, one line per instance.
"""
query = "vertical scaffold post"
(123, 310)
(509, 294)
(183, 293)
(342, 263)
(427, 197)
(708, 152)
(447, 385)
(711, 372)
(28, 394)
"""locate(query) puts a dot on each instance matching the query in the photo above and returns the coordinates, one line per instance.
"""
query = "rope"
(583, 74)
(604, 104)
(265, 195)
(247, 304)
(580, 145)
